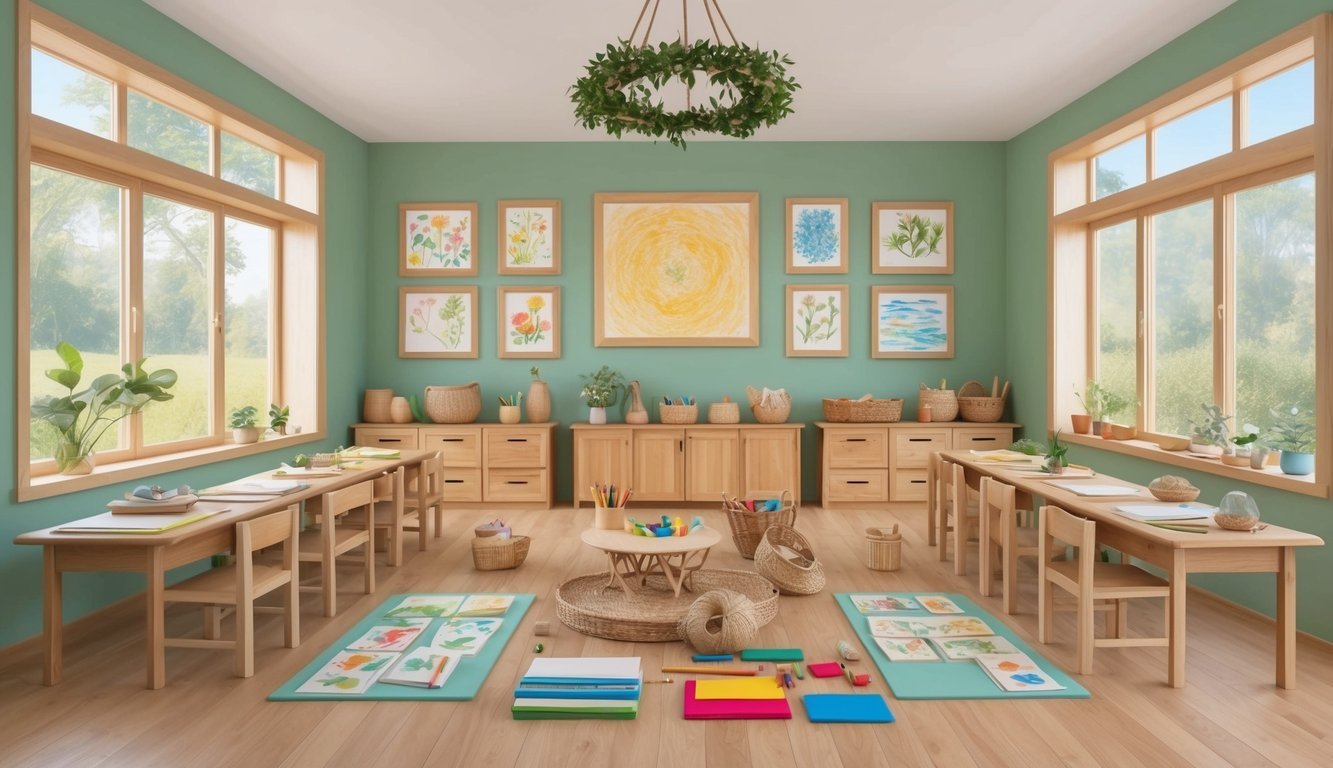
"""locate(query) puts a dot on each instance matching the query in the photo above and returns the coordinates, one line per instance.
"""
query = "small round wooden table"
(633, 558)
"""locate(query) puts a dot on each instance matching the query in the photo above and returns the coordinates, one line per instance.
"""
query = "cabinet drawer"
(386, 437)
(462, 485)
(857, 448)
(516, 485)
(909, 485)
(982, 438)
(912, 447)
(858, 485)
(522, 448)
(458, 447)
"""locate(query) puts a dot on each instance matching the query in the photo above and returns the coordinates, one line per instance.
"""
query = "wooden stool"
(1002, 540)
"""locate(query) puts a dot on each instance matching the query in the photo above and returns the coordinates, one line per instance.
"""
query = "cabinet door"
(511, 447)
(771, 460)
(982, 438)
(712, 463)
(601, 455)
(659, 464)
(458, 446)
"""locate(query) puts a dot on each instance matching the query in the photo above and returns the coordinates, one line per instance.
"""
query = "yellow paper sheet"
(764, 687)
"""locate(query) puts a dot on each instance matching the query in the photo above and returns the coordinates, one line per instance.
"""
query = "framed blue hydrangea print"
(816, 235)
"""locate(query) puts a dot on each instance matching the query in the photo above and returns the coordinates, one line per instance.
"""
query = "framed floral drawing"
(437, 321)
(911, 321)
(816, 235)
(911, 238)
(529, 232)
(437, 239)
(816, 321)
(676, 269)
(529, 321)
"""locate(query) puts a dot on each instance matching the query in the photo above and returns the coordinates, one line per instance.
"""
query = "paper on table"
(109, 522)
(1164, 511)
(255, 488)
(1095, 489)
(603, 668)
(739, 688)
(1004, 454)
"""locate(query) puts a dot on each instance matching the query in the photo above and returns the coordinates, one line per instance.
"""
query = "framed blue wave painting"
(911, 321)
(816, 235)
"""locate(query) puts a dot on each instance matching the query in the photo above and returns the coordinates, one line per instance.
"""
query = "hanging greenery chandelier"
(617, 92)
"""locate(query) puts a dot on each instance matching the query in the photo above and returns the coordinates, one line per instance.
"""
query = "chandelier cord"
(731, 34)
(649, 29)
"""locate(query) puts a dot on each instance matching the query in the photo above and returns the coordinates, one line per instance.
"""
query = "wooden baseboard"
(1253, 614)
(127, 608)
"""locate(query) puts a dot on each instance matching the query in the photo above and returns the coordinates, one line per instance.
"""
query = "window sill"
(1271, 476)
(56, 485)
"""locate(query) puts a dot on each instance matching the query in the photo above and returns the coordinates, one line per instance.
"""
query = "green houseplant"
(83, 417)
(278, 416)
(1056, 455)
(601, 390)
(1293, 435)
(243, 425)
(1208, 434)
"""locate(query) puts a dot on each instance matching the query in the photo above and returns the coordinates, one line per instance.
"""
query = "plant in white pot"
(243, 425)
(601, 390)
(1208, 434)
(81, 418)
(1292, 434)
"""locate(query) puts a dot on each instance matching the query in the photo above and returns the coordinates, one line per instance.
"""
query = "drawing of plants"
(817, 319)
(527, 233)
(424, 315)
(916, 236)
(676, 272)
(529, 327)
(815, 235)
(437, 237)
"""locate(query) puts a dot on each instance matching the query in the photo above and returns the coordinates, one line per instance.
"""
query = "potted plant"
(1113, 405)
(83, 417)
(1056, 455)
(601, 390)
(1082, 422)
(278, 416)
(1292, 434)
(1244, 446)
(1208, 435)
(243, 421)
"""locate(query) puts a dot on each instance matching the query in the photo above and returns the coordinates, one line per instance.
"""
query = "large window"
(160, 222)
(1190, 228)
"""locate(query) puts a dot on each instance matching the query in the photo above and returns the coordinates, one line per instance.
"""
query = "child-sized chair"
(334, 533)
(958, 513)
(424, 503)
(1002, 540)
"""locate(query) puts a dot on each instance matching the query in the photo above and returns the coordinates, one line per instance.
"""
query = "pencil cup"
(608, 518)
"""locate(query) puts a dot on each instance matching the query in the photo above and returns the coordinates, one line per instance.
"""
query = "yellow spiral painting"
(677, 272)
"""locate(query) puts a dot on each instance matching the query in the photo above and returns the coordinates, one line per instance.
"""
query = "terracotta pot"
(1082, 423)
(538, 402)
(1106, 432)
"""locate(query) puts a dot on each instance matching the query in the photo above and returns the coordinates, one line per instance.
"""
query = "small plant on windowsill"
(1208, 435)
(243, 425)
(1293, 435)
(278, 416)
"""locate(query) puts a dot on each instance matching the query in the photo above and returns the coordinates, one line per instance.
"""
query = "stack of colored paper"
(605, 688)
(743, 698)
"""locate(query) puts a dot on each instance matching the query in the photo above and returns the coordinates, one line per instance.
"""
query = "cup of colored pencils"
(610, 501)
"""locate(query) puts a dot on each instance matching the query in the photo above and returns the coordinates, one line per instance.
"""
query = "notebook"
(733, 709)
(739, 688)
(1159, 512)
(587, 670)
(846, 708)
(1016, 672)
(109, 522)
(1095, 489)
(422, 667)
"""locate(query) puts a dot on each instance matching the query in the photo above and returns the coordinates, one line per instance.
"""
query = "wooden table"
(637, 557)
(1272, 550)
(154, 554)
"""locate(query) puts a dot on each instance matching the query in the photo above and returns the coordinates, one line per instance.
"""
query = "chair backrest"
(260, 532)
(1058, 525)
(957, 489)
(389, 484)
(940, 467)
(996, 496)
(430, 478)
(335, 503)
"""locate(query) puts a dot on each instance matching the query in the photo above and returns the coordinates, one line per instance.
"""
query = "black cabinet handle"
(454, 482)
(858, 482)
(917, 482)
(516, 482)
(390, 439)
(856, 439)
(983, 439)
(918, 440)
(451, 439)
(517, 439)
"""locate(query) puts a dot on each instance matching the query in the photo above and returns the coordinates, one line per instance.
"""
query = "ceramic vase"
(538, 402)
(1258, 457)
(596, 414)
(400, 412)
(245, 435)
(1296, 463)
(509, 414)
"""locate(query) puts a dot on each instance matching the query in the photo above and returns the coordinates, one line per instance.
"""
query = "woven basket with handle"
(492, 553)
(770, 412)
(747, 528)
(943, 403)
(974, 405)
(454, 405)
(784, 557)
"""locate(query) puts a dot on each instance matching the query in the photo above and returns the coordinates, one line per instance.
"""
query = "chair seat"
(1028, 538)
(220, 584)
(384, 513)
(312, 542)
(1114, 577)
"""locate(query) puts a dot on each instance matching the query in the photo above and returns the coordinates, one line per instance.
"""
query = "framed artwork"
(816, 321)
(529, 232)
(437, 239)
(911, 321)
(437, 321)
(816, 235)
(911, 238)
(529, 321)
(676, 269)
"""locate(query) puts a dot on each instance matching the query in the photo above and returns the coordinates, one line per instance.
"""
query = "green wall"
(1224, 36)
(970, 174)
(144, 31)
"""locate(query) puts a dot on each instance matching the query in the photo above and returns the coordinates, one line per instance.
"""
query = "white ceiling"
(499, 70)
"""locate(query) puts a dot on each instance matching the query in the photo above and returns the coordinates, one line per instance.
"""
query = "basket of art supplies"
(943, 403)
(863, 409)
(975, 405)
(769, 406)
(784, 557)
(492, 553)
(454, 405)
(750, 518)
(681, 411)
(884, 549)
(375, 408)
(725, 412)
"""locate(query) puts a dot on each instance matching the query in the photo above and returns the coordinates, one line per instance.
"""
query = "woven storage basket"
(772, 413)
(973, 404)
(784, 557)
(747, 528)
(677, 414)
(491, 553)
(375, 407)
(943, 403)
(724, 413)
(454, 405)
(586, 605)
(1174, 494)
(842, 409)
(884, 549)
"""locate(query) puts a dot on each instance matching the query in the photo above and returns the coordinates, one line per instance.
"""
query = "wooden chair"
(956, 503)
(238, 585)
(1003, 540)
(327, 539)
(1090, 580)
(932, 496)
(390, 490)
(425, 500)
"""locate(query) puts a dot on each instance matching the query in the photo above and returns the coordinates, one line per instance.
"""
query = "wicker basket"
(454, 405)
(973, 404)
(784, 557)
(586, 605)
(492, 553)
(943, 403)
(842, 409)
(747, 528)
(375, 407)
(725, 412)
(677, 414)
(770, 413)
(884, 549)
(1174, 494)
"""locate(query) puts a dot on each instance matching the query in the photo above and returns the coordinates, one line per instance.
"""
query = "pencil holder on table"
(608, 518)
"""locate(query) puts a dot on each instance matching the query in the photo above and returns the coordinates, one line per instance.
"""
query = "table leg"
(615, 560)
(674, 576)
(1175, 675)
(1286, 618)
(156, 628)
(52, 616)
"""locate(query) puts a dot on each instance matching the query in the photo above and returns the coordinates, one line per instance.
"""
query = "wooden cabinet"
(869, 464)
(695, 463)
(508, 464)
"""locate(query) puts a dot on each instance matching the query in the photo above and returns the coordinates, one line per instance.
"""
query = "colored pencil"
(439, 668)
(737, 671)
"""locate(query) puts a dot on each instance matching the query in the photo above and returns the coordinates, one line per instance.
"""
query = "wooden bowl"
(1173, 443)
(1122, 432)
(1177, 495)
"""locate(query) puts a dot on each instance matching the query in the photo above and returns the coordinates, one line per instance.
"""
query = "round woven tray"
(651, 615)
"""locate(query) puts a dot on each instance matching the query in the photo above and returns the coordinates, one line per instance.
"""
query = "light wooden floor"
(1230, 713)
